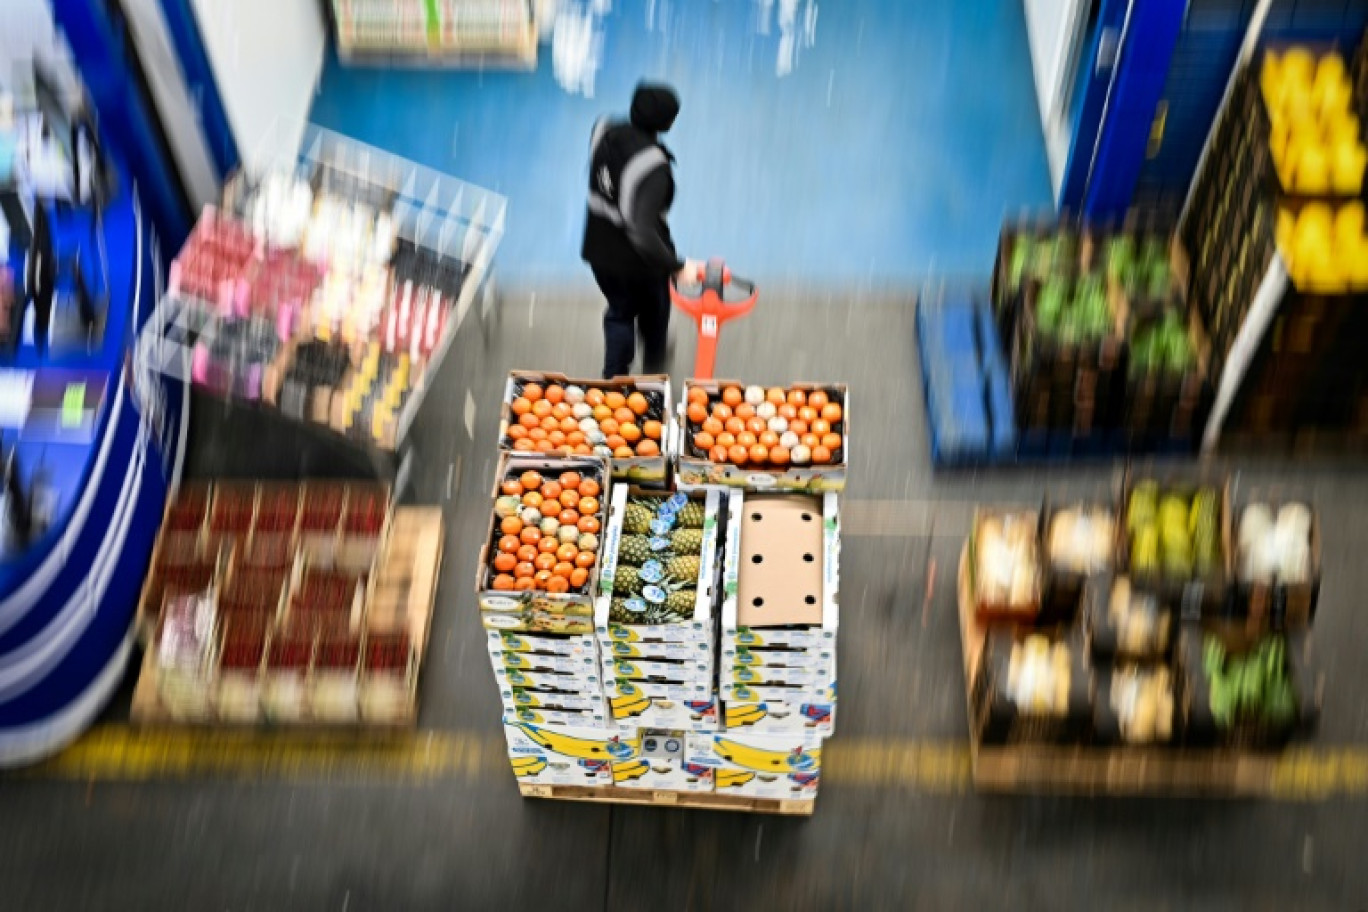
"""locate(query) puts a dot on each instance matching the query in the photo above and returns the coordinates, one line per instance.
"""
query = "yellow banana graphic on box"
(738, 714)
(725, 778)
(579, 748)
(632, 702)
(767, 760)
(632, 769)
(528, 766)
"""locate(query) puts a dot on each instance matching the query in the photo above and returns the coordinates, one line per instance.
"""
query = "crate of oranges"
(624, 420)
(793, 438)
(541, 556)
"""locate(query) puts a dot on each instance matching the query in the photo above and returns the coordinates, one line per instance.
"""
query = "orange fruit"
(545, 561)
(726, 439)
(566, 552)
(590, 488)
(526, 584)
(570, 481)
(759, 454)
(554, 393)
(746, 439)
(569, 425)
(756, 425)
(563, 569)
(609, 426)
(653, 429)
(788, 411)
(738, 455)
(537, 433)
(510, 525)
(696, 413)
(808, 413)
(548, 545)
(527, 553)
(722, 411)
(517, 431)
(569, 497)
(541, 408)
(556, 438)
(532, 391)
(545, 446)
(532, 499)
(831, 412)
(561, 411)
(697, 394)
(588, 506)
(557, 584)
(588, 524)
(798, 426)
(745, 410)
(521, 406)
(776, 395)
(779, 455)
(630, 433)
(584, 559)
(530, 481)
(615, 442)
(578, 577)
(718, 454)
(703, 440)
(734, 425)
(797, 397)
(602, 413)
(811, 440)
(503, 582)
(565, 449)
(818, 399)
(530, 535)
(525, 445)
(575, 438)
(582, 449)
(614, 400)
(713, 426)
(648, 448)
(637, 403)
(732, 396)
(568, 517)
(524, 570)
(543, 577)
(550, 424)
(624, 415)
(593, 396)
(529, 420)
(821, 426)
(509, 544)
(769, 439)
(821, 455)
(551, 490)
(831, 441)
(512, 486)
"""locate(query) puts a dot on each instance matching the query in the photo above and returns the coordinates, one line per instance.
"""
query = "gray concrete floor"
(472, 842)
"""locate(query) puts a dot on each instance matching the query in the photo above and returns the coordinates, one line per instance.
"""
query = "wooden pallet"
(706, 801)
(1031, 768)
(414, 554)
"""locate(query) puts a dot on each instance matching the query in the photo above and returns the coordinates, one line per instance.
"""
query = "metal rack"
(455, 222)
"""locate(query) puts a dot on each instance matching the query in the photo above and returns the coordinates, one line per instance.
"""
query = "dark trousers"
(635, 304)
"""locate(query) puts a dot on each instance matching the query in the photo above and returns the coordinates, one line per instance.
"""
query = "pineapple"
(636, 519)
(691, 515)
(687, 541)
(627, 580)
(681, 602)
(635, 549)
(683, 569)
(618, 613)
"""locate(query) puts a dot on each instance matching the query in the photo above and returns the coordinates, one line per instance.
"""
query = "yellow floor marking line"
(115, 753)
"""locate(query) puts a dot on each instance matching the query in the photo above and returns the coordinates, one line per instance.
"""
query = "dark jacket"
(631, 187)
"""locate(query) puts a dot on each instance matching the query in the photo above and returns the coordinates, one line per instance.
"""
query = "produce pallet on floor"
(657, 798)
(1043, 768)
(406, 582)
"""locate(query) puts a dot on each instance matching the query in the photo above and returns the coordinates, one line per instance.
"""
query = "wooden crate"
(1034, 768)
(413, 555)
(656, 798)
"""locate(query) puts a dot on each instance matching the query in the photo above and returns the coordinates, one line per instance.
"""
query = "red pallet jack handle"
(710, 309)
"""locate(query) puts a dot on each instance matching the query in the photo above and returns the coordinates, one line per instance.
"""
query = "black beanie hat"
(654, 107)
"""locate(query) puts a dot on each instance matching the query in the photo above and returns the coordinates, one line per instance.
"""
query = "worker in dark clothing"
(40, 281)
(626, 240)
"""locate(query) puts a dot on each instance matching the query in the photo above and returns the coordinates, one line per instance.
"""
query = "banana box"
(696, 690)
(560, 717)
(646, 670)
(539, 661)
(776, 718)
(516, 698)
(819, 659)
(777, 674)
(819, 692)
(635, 709)
(781, 576)
(663, 764)
(583, 644)
(548, 680)
(699, 626)
(567, 755)
(535, 616)
(786, 767)
(613, 650)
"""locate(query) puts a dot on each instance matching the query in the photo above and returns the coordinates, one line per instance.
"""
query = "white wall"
(267, 56)
(27, 32)
(1052, 26)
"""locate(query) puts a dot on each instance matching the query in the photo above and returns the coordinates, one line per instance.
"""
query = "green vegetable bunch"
(1255, 686)
(1162, 347)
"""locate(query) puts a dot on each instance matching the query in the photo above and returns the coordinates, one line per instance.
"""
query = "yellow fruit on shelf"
(1298, 65)
(1348, 225)
(1347, 163)
(1312, 174)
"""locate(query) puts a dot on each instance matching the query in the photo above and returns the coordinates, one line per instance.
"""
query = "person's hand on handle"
(689, 273)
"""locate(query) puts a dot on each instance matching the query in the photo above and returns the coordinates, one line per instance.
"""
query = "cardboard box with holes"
(780, 614)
